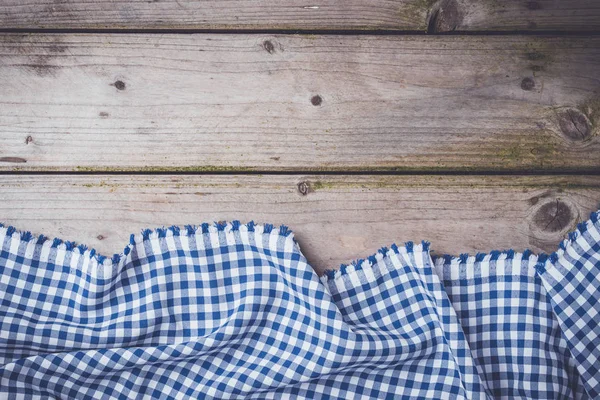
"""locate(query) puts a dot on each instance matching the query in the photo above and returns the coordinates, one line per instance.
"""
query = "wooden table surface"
(474, 124)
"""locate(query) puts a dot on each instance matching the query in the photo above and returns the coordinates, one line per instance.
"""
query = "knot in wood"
(574, 124)
(445, 16)
(533, 5)
(17, 160)
(553, 216)
(268, 46)
(535, 56)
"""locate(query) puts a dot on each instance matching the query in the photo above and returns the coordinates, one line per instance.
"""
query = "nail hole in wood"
(303, 188)
(316, 100)
(120, 85)
(527, 84)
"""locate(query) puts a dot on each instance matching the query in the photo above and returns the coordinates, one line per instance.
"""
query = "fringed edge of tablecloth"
(466, 266)
(145, 235)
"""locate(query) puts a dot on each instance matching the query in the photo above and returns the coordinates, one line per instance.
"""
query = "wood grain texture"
(335, 218)
(298, 102)
(403, 15)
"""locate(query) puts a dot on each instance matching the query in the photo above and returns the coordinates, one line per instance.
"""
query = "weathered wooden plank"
(416, 15)
(278, 102)
(335, 218)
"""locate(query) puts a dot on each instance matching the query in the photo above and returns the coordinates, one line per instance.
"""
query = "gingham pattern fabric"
(235, 311)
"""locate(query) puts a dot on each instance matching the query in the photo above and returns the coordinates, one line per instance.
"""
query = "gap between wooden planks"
(198, 103)
(404, 15)
(335, 218)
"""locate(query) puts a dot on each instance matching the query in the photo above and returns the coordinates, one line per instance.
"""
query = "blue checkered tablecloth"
(235, 311)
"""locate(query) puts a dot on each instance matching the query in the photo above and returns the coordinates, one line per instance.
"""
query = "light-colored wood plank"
(277, 102)
(415, 15)
(335, 218)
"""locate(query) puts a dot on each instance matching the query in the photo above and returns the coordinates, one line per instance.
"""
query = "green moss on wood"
(416, 11)
(449, 182)
(591, 108)
(195, 168)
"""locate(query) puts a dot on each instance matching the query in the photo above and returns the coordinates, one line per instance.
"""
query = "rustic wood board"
(201, 102)
(335, 218)
(403, 15)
